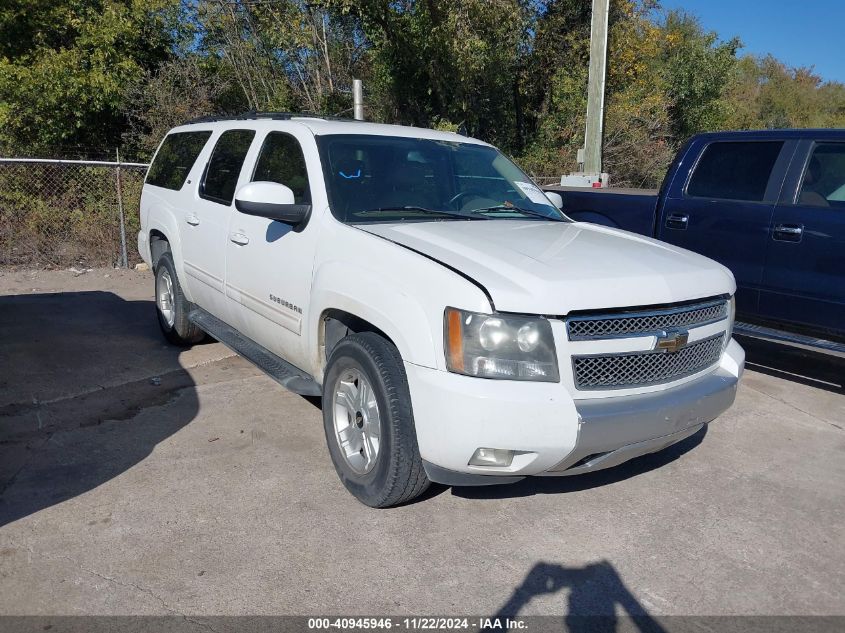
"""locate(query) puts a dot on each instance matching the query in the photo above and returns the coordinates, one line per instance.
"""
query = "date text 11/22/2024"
(418, 624)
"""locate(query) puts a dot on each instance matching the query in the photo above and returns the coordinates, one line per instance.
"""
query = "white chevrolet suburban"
(457, 325)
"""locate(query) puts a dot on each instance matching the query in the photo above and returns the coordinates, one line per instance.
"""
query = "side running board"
(278, 369)
(831, 348)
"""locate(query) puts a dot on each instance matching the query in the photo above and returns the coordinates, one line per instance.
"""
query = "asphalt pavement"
(136, 478)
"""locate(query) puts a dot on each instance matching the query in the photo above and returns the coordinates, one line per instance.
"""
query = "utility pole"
(595, 87)
(124, 255)
(357, 100)
(589, 157)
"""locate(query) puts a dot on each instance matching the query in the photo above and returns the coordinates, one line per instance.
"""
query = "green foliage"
(66, 67)
(637, 139)
(695, 67)
(764, 93)
(512, 72)
(178, 91)
(444, 125)
(460, 61)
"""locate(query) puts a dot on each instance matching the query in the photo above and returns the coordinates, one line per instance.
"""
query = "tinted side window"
(281, 160)
(224, 167)
(175, 158)
(823, 184)
(734, 170)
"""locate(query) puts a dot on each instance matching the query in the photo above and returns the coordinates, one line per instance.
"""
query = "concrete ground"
(136, 478)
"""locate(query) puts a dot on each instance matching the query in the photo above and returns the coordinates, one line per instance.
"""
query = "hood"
(557, 267)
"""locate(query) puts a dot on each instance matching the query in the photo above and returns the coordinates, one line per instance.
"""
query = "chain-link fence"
(61, 213)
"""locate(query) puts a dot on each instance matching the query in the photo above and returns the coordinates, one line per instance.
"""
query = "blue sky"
(808, 33)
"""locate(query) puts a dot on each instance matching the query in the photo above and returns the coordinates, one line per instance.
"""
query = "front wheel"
(369, 422)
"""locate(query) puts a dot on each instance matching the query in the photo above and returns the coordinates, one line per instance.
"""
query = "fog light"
(491, 457)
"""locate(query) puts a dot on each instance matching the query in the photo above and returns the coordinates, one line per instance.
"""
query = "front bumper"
(553, 433)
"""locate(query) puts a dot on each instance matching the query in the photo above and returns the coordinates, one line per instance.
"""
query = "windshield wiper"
(508, 207)
(451, 214)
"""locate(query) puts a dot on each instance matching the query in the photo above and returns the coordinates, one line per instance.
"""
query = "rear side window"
(175, 158)
(823, 184)
(224, 166)
(281, 160)
(734, 170)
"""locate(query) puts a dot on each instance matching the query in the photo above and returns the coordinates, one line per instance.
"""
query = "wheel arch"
(339, 315)
(163, 235)
(158, 245)
(336, 324)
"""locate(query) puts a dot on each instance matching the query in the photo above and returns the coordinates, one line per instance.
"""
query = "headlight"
(498, 346)
(731, 318)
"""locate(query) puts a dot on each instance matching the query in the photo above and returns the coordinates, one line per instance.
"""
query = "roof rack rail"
(252, 115)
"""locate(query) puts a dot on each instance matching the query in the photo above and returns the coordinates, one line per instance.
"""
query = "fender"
(460, 273)
(377, 298)
(164, 222)
(398, 290)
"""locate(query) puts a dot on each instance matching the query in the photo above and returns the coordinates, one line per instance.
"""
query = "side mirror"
(555, 198)
(272, 201)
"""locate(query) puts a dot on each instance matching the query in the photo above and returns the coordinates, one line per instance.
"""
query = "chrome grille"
(638, 323)
(618, 371)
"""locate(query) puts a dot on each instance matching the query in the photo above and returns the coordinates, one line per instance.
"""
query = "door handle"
(239, 238)
(788, 232)
(677, 221)
(192, 219)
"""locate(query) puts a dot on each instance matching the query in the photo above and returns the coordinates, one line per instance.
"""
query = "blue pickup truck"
(769, 205)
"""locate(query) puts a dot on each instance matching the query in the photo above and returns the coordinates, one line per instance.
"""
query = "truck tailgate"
(629, 209)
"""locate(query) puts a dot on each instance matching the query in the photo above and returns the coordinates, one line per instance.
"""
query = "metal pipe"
(124, 254)
(91, 163)
(357, 100)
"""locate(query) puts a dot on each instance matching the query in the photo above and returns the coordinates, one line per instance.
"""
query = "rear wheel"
(369, 422)
(171, 305)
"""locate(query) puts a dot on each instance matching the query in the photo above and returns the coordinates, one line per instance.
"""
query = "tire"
(395, 475)
(173, 312)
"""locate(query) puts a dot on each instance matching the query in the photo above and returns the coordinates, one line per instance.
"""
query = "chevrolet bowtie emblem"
(671, 340)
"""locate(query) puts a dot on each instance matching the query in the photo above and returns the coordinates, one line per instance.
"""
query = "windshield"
(393, 179)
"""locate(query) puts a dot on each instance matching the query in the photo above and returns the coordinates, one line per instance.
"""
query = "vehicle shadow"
(576, 483)
(794, 364)
(595, 592)
(83, 361)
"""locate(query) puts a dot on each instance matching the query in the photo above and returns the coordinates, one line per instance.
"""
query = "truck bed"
(629, 209)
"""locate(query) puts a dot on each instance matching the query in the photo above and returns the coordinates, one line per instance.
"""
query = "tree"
(284, 54)
(512, 72)
(456, 63)
(765, 93)
(637, 142)
(321, 51)
(66, 68)
(179, 90)
(695, 67)
(228, 32)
